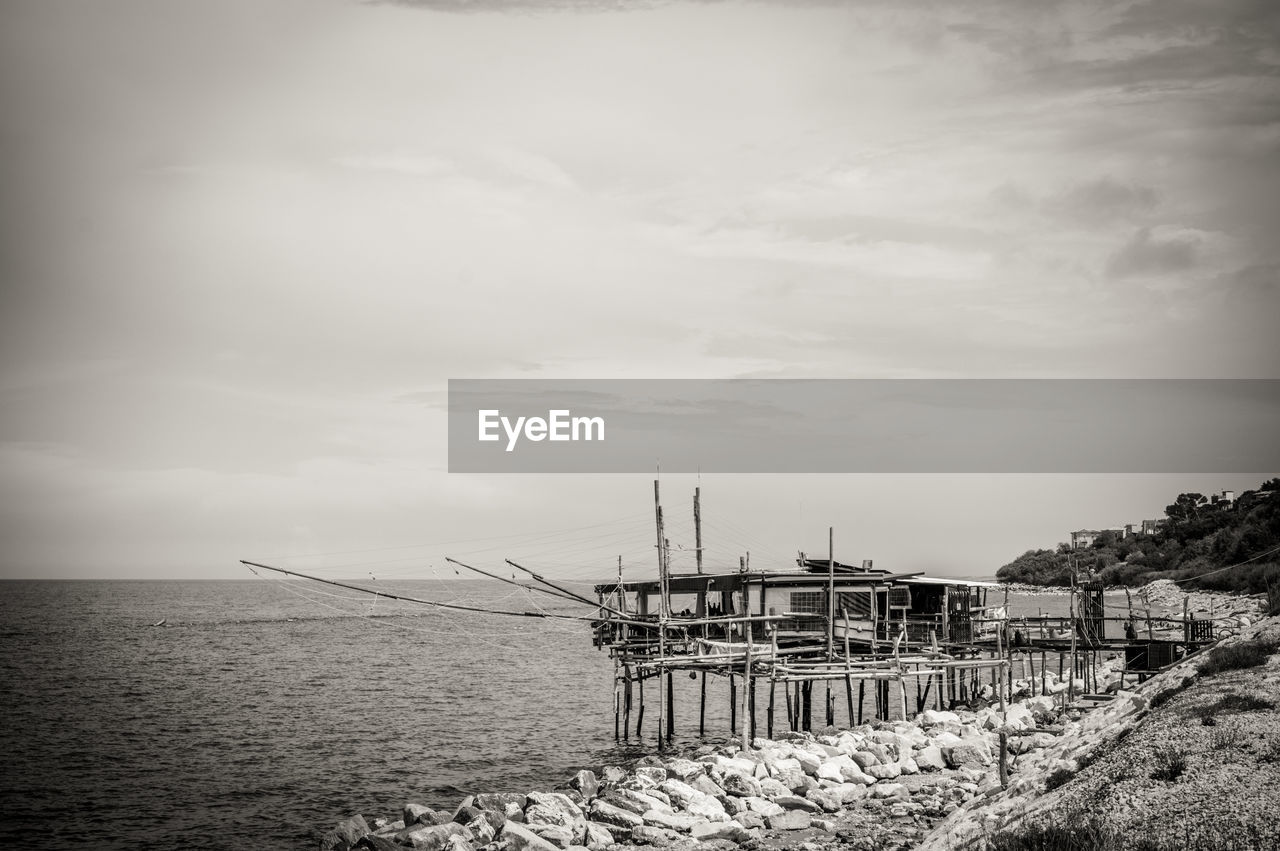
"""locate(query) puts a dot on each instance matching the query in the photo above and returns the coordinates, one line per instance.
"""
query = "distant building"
(1150, 527)
(1084, 538)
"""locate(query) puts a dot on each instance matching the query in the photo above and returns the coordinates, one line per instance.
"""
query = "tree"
(1184, 507)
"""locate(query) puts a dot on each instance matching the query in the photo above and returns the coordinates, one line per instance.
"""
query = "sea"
(258, 713)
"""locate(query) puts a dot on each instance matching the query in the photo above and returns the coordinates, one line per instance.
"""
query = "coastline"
(931, 782)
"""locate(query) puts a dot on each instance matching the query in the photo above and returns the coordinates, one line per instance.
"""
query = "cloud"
(408, 164)
(1147, 254)
(1104, 198)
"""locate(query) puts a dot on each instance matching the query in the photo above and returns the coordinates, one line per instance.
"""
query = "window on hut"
(807, 601)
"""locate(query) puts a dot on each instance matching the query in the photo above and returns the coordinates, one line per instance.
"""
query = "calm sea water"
(264, 710)
(255, 715)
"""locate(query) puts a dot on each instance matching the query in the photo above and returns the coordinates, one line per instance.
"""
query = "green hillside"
(1232, 546)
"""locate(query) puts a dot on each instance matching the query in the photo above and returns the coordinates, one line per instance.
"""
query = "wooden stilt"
(807, 714)
(702, 707)
(640, 711)
(862, 685)
(626, 704)
(733, 705)
(671, 705)
(773, 685)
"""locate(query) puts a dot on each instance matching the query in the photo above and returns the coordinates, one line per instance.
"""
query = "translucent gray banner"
(864, 426)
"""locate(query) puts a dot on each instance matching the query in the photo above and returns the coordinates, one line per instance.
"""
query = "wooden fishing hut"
(822, 621)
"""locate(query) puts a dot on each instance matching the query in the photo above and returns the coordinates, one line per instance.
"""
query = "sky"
(246, 244)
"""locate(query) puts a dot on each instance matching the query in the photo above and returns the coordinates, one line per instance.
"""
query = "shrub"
(1058, 778)
(1169, 765)
(1227, 738)
(1241, 703)
(1164, 696)
(1089, 836)
(1235, 657)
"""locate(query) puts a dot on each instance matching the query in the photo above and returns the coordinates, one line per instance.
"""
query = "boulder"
(741, 785)
(586, 784)
(597, 837)
(825, 798)
(885, 772)
(730, 830)
(790, 820)
(889, 790)
(605, 813)
(751, 820)
(378, 843)
(850, 792)
(434, 837)
(865, 759)
(809, 763)
(931, 717)
(555, 808)
(930, 758)
(521, 838)
(795, 802)
(346, 834)
(465, 814)
(413, 811)
(671, 821)
(645, 835)
(483, 828)
(457, 843)
(612, 774)
(1018, 717)
(966, 756)
(557, 834)
(763, 806)
(707, 786)
(684, 769)
(498, 801)
(652, 773)
(695, 802)
(771, 788)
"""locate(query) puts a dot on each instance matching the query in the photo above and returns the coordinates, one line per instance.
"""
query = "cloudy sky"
(246, 243)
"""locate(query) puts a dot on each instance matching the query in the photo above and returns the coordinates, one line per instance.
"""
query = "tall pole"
(697, 525)
(662, 616)
(831, 593)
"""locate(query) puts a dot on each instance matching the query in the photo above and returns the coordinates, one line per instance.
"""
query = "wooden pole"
(831, 598)
(626, 703)
(733, 705)
(697, 525)
(791, 715)
(773, 684)
(671, 705)
(640, 712)
(1071, 687)
(702, 707)
(848, 666)
(663, 613)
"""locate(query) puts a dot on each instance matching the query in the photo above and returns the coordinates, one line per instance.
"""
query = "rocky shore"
(884, 785)
(934, 782)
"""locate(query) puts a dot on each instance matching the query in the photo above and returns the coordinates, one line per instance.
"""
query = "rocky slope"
(1190, 761)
